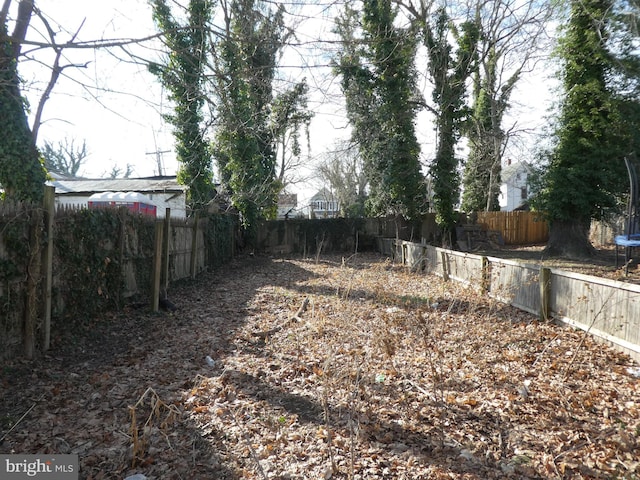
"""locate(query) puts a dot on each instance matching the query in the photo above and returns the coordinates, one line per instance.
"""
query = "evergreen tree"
(586, 169)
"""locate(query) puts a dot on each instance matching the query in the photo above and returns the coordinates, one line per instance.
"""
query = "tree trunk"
(569, 239)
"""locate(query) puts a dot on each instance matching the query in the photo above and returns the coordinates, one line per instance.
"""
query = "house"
(324, 205)
(287, 204)
(514, 190)
(163, 191)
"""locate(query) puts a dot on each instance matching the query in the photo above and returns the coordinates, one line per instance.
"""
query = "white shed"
(163, 192)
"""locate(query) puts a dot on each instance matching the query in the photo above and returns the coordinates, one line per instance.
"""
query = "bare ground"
(385, 375)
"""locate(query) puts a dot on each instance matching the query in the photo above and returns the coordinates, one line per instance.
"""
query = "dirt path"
(385, 374)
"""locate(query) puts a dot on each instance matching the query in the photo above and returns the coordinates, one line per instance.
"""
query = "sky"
(113, 105)
(116, 106)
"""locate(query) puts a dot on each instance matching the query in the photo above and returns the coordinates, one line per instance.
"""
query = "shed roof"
(84, 186)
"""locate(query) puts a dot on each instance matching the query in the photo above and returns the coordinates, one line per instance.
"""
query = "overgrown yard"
(342, 368)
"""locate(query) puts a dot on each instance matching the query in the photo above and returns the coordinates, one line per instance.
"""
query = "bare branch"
(56, 70)
(88, 44)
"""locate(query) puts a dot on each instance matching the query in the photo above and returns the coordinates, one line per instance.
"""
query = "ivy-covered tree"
(451, 54)
(378, 79)
(183, 75)
(586, 169)
(481, 178)
(246, 61)
(22, 175)
(449, 72)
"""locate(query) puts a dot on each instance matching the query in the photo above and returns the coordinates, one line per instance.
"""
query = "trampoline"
(631, 239)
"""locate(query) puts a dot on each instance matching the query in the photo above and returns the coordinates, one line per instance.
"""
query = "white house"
(163, 191)
(514, 190)
(324, 205)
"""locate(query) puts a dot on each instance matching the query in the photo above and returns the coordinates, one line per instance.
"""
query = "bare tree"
(65, 158)
(512, 43)
(21, 173)
(118, 172)
(342, 170)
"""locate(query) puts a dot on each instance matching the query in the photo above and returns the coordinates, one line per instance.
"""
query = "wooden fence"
(296, 235)
(608, 310)
(40, 281)
(517, 228)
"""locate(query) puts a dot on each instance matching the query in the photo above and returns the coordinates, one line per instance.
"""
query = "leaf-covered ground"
(603, 263)
(342, 368)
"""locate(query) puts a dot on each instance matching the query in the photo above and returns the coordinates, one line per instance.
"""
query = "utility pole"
(158, 154)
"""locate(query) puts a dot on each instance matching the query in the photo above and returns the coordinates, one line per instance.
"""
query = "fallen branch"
(20, 419)
(419, 388)
(247, 440)
(301, 310)
(544, 350)
(297, 317)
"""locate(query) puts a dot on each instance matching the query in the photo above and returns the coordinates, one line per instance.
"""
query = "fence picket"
(517, 228)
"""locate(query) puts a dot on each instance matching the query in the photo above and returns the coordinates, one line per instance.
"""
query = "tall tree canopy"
(183, 76)
(245, 139)
(513, 33)
(586, 170)
(449, 72)
(378, 79)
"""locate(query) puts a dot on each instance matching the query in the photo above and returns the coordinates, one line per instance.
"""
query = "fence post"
(165, 250)
(47, 262)
(545, 289)
(445, 265)
(122, 218)
(157, 267)
(486, 275)
(34, 268)
(194, 246)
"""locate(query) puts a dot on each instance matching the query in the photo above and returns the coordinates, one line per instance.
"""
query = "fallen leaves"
(333, 369)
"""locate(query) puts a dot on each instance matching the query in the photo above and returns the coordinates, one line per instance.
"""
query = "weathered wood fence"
(302, 235)
(53, 263)
(607, 309)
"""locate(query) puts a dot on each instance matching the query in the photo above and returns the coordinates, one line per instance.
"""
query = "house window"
(523, 193)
